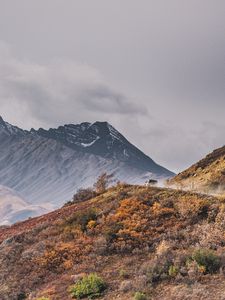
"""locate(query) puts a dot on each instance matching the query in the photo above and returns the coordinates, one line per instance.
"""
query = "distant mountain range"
(13, 208)
(50, 165)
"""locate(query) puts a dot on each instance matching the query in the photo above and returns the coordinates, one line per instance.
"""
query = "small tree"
(82, 195)
(103, 182)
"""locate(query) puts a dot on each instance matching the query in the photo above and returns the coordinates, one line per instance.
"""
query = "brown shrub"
(82, 195)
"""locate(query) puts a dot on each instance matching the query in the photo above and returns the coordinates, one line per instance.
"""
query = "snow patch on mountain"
(114, 133)
(91, 143)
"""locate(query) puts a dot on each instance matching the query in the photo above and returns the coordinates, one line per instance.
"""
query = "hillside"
(50, 165)
(207, 175)
(157, 243)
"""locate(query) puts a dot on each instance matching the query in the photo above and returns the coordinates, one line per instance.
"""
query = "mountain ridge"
(46, 168)
(100, 138)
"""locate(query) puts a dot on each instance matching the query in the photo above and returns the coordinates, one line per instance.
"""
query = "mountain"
(207, 175)
(102, 139)
(8, 130)
(142, 242)
(50, 165)
(13, 208)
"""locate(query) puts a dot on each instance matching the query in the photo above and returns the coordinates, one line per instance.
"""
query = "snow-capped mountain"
(13, 208)
(50, 165)
(102, 139)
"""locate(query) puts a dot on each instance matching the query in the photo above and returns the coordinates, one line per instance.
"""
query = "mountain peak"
(103, 129)
(1, 120)
(9, 129)
(102, 139)
(99, 138)
(101, 124)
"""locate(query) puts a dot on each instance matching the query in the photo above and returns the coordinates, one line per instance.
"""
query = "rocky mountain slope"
(101, 139)
(207, 175)
(143, 243)
(49, 165)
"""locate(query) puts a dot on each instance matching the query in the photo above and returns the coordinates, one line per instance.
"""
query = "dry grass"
(206, 176)
(137, 239)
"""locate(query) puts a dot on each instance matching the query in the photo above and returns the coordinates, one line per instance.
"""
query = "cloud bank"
(60, 91)
(64, 91)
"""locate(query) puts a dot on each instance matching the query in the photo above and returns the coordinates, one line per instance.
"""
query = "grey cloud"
(101, 98)
(62, 91)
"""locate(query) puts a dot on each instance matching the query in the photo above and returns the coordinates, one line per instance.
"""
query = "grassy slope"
(131, 231)
(208, 175)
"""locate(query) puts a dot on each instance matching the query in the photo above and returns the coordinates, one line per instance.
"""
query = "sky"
(154, 69)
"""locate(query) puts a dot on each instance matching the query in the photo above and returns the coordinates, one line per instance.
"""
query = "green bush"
(140, 296)
(81, 219)
(173, 271)
(207, 259)
(90, 286)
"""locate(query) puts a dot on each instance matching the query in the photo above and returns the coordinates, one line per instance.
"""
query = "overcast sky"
(154, 69)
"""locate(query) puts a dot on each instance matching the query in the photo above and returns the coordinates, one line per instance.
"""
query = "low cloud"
(59, 92)
(180, 130)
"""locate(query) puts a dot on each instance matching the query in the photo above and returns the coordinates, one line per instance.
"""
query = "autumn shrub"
(126, 223)
(206, 259)
(122, 195)
(90, 286)
(208, 235)
(43, 298)
(61, 256)
(139, 296)
(53, 258)
(91, 224)
(164, 248)
(100, 245)
(134, 225)
(220, 218)
(193, 207)
(159, 211)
